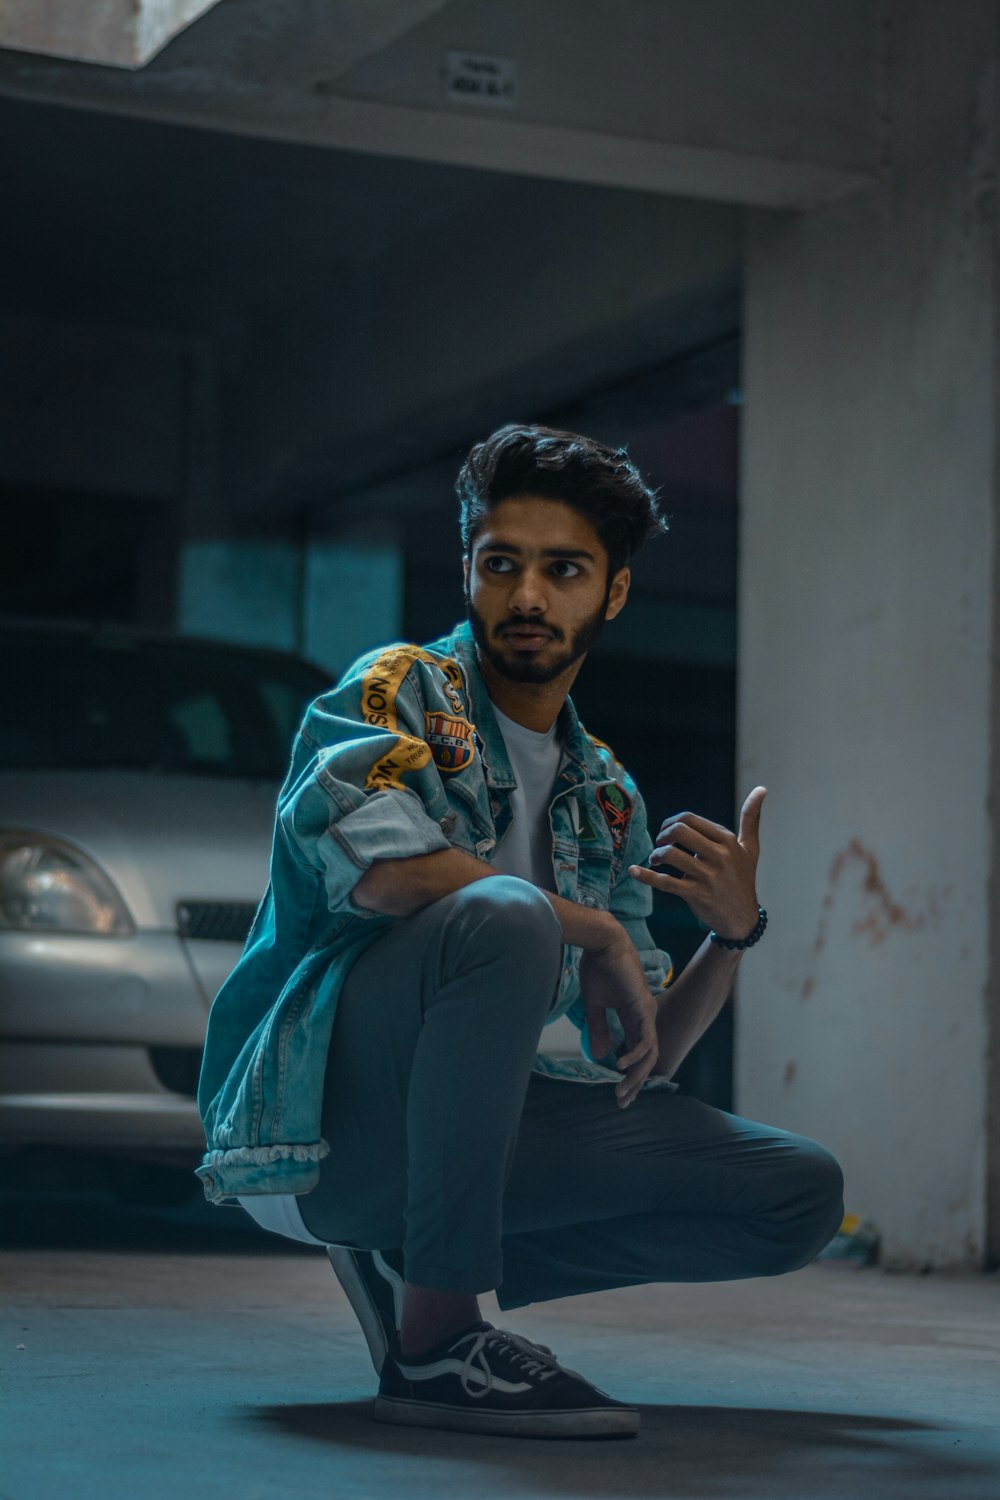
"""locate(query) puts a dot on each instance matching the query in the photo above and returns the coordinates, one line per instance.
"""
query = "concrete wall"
(328, 600)
(866, 704)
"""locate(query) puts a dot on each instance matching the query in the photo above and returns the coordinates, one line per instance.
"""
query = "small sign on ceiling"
(476, 78)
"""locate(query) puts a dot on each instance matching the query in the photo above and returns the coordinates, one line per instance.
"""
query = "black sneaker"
(487, 1380)
(373, 1281)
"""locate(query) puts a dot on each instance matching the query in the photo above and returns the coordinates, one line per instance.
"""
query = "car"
(138, 777)
(139, 773)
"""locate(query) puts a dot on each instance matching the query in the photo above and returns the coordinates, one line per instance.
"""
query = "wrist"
(585, 927)
(605, 935)
(749, 937)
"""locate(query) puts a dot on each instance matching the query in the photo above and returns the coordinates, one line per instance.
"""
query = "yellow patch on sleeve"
(381, 683)
(407, 754)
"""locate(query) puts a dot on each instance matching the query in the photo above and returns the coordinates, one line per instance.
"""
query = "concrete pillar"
(868, 704)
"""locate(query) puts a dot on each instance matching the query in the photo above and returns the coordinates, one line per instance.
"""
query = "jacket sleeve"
(361, 791)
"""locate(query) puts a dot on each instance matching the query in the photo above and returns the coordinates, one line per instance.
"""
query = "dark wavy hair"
(601, 483)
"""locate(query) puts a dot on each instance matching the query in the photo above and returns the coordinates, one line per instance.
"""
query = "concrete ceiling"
(774, 104)
(373, 271)
(360, 313)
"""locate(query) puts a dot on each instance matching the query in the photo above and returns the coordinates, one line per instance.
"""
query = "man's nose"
(528, 596)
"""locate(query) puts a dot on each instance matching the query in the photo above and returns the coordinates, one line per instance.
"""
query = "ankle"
(430, 1316)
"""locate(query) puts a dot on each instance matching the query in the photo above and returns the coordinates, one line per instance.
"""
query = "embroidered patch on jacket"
(451, 741)
(616, 806)
(582, 826)
(407, 754)
(381, 683)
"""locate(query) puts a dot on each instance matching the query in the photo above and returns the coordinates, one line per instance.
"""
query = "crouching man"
(456, 863)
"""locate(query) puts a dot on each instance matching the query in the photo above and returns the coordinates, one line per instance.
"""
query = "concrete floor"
(145, 1355)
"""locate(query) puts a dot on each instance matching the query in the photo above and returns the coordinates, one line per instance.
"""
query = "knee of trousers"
(510, 922)
(821, 1211)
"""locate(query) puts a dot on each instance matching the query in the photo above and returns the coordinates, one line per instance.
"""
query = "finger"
(597, 1030)
(669, 883)
(629, 1059)
(626, 1091)
(679, 859)
(714, 832)
(749, 834)
(680, 833)
(638, 1063)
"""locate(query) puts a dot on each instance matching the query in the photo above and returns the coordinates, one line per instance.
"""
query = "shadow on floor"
(708, 1448)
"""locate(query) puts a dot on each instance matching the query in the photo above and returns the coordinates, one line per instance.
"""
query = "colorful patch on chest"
(451, 741)
(616, 806)
(582, 826)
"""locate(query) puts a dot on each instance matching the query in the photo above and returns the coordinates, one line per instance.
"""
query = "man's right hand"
(612, 978)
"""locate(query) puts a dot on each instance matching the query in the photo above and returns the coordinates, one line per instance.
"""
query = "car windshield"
(114, 702)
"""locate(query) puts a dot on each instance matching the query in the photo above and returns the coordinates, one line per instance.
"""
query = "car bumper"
(101, 1039)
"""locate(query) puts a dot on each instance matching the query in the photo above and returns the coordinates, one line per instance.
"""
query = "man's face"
(537, 590)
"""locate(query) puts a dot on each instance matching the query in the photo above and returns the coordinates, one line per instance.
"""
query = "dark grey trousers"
(443, 1142)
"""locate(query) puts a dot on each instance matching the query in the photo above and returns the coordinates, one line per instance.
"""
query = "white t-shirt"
(524, 850)
(526, 847)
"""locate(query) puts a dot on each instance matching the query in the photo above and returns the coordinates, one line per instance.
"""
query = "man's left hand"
(709, 867)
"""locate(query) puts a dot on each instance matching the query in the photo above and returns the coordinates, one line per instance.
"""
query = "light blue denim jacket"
(403, 757)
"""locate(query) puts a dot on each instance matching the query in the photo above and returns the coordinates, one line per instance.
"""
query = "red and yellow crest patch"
(451, 741)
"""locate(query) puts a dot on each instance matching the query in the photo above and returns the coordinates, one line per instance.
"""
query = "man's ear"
(618, 593)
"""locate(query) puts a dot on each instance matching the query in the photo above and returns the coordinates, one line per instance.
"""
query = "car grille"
(219, 921)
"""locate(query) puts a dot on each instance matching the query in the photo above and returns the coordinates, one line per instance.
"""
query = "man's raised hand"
(709, 867)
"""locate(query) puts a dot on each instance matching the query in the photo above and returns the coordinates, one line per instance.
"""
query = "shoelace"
(533, 1359)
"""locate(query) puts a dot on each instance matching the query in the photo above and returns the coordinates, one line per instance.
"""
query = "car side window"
(206, 729)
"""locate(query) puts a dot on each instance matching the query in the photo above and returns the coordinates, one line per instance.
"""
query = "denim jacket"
(403, 757)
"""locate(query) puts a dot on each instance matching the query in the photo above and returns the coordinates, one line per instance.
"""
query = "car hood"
(162, 839)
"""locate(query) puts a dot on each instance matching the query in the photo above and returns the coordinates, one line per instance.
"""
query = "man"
(456, 862)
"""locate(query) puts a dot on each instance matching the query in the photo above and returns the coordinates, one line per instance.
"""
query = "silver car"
(138, 779)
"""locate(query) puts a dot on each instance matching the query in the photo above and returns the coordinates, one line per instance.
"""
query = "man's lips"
(526, 638)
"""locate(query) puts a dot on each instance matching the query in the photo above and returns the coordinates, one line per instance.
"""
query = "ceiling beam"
(630, 107)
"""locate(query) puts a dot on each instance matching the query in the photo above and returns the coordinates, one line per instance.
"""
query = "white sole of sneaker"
(347, 1274)
(599, 1421)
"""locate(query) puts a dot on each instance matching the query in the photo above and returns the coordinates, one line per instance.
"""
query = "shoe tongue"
(480, 1327)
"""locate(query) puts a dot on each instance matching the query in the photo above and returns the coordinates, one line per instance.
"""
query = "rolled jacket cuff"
(388, 825)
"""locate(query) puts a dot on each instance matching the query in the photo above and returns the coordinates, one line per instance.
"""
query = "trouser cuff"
(469, 1280)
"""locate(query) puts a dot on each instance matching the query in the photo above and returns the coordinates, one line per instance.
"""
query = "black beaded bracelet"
(746, 942)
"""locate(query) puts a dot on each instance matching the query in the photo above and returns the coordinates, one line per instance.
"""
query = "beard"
(523, 669)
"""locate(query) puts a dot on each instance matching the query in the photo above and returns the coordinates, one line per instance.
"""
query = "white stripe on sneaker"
(467, 1373)
(395, 1281)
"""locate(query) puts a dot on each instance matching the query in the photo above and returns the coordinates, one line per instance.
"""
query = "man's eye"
(564, 569)
(497, 564)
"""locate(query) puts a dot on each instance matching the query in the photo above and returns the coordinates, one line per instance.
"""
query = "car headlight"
(48, 886)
